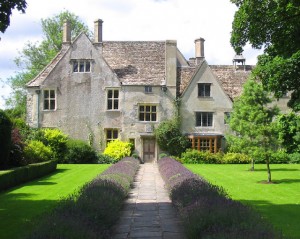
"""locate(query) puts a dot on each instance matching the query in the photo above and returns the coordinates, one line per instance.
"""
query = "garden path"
(148, 211)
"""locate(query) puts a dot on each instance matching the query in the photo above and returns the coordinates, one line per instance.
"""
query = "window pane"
(46, 94)
(109, 93)
(153, 108)
(204, 119)
(52, 104)
(75, 66)
(148, 108)
(153, 117)
(87, 66)
(46, 105)
(115, 135)
(142, 108)
(141, 117)
(81, 66)
(109, 104)
(108, 134)
(116, 104)
(52, 94)
(116, 93)
(148, 116)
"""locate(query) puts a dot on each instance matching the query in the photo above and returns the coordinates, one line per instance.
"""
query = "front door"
(148, 150)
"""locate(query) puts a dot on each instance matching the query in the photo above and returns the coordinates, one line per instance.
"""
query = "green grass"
(278, 202)
(19, 206)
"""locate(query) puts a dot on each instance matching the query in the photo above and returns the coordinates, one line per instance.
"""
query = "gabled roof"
(230, 78)
(136, 62)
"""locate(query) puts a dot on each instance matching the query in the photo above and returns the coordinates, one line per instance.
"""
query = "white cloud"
(181, 20)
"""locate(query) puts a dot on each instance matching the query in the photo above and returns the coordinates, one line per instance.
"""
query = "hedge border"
(17, 176)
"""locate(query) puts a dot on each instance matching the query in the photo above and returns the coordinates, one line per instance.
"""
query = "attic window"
(148, 89)
(81, 66)
(204, 89)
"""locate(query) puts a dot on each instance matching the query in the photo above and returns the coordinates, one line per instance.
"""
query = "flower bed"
(207, 211)
(91, 212)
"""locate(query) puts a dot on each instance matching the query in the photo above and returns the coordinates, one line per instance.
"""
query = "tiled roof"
(136, 62)
(232, 79)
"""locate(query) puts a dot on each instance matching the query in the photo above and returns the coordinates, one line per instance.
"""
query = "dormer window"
(204, 90)
(81, 66)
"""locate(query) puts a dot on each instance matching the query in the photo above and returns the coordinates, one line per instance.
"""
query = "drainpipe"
(38, 92)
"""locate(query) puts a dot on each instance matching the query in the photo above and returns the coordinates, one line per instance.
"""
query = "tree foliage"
(35, 56)
(170, 138)
(6, 7)
(252, 121)
(275, 26)
(5, 138)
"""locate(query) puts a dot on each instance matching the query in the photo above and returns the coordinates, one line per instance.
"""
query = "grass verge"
(279, 203)
(19, 206)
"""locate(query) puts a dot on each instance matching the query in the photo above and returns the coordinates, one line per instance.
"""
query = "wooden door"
(148, 150)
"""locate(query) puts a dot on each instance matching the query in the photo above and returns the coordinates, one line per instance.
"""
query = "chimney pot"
(67, 32)
(98, 31)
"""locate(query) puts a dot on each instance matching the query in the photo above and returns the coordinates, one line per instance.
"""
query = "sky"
(134, 20)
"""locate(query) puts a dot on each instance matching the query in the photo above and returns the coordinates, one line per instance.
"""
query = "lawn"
(19, 206)
(278, 202)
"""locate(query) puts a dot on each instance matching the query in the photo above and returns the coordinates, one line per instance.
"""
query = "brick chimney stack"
(98, 31)
(199, 50)
(67, 32)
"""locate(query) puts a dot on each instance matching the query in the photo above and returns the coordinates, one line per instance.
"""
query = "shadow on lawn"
(284, 217)
(275, 169)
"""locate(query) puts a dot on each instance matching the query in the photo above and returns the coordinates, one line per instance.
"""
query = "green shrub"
(57, 141)
(20, 175)
(5, 139)
(118, 149)
(105, 159)
(79, 151)
(235, 158)
(294, 158)
(35, 152)
(170, 138)
(194, 156)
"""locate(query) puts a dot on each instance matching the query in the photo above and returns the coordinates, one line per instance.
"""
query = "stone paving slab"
(148, 212)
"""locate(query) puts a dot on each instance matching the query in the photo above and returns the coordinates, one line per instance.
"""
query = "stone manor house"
(104, 90)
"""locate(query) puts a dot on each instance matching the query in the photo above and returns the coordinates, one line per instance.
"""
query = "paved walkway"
(148, 212)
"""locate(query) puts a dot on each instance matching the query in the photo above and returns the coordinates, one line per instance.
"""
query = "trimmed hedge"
(206, 210)
(24, 174)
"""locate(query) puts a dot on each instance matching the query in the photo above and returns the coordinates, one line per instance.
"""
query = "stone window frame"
(148, 89)
(204, 90)
(204, 119)
(81, 66)
(147, 112)
(112, 102)
(49, 101)
(111, 134)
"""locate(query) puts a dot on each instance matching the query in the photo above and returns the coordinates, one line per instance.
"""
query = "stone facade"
(102, 90)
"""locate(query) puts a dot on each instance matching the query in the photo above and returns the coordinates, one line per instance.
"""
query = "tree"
(6, 7)
(35, 56)
(289, 132)
(170, 138)
(252, 121)
(5, 139)
(275, 26)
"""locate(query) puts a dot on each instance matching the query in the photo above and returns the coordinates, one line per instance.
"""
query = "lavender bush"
(207, 211)
(90, 212)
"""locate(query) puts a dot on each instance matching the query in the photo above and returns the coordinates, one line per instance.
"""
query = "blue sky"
(181, 20)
